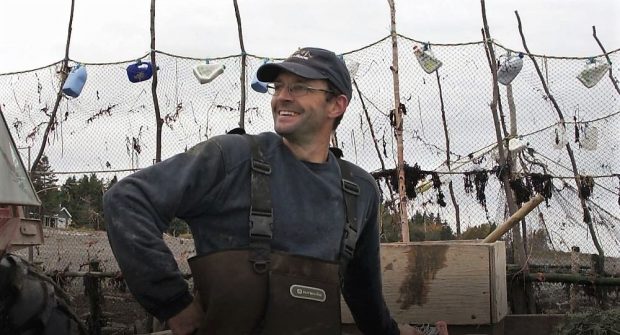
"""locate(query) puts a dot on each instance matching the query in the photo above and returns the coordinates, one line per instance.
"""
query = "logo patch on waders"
(308, 293)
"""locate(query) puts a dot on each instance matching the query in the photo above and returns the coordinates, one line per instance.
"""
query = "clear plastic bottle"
(509, 68)
(593, 72)
(207, 72)
(427, 60)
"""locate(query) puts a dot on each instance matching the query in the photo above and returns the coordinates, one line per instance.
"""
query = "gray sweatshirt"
(209, 187)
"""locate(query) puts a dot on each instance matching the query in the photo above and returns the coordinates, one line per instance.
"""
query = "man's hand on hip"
(408, 330)
(187, 321)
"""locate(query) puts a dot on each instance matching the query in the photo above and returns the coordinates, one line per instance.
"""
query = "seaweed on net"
(413, 175)
(502, 171)
(522, 192)
(542, 185)
(468, 184)
(586, 186)
(576, 130)
(437, 186)
(478, 179)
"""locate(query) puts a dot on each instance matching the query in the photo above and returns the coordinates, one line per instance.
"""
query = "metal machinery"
(30, 302)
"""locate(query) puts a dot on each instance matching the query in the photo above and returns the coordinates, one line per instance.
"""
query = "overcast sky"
(33, 32)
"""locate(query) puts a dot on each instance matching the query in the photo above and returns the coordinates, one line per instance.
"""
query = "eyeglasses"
(295, 90)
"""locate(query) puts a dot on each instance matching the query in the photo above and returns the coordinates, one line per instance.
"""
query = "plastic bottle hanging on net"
(509, 68)
(426, 58)
(589, 139)
(593, 72)
(207, 72)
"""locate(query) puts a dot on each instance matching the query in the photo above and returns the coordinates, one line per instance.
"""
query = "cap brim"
(269, 72)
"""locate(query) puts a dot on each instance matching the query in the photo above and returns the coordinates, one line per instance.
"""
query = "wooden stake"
(93, 291)
(243, 61)
(374, 137)
(523, 297)
(159, 121)
(445, 133)
(611, 76)
(398, 129)
(514, 219)
(372, 129)
(574, 257)
(587, 218)
(518, 249)
(63, 77)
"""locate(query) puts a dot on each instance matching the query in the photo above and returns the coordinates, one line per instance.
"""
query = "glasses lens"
(298, 90)
(271, 89)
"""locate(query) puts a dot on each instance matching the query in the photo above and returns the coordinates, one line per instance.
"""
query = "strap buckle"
(261, 223)
(261, 167)
(350, 239)
(350, 187)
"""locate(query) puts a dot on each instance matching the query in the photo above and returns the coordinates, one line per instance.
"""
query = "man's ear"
(339, 106)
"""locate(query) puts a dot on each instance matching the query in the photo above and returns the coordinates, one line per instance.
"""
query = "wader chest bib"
(257, 290)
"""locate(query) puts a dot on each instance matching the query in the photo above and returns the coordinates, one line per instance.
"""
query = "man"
(280, 224)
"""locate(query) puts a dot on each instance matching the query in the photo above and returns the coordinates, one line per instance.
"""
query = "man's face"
(300, 118)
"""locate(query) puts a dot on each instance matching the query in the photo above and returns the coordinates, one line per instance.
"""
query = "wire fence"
(110, 130)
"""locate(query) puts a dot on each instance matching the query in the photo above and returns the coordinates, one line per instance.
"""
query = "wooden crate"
(460, 282)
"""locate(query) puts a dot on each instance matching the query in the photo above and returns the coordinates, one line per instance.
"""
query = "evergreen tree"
(478, 232)
(423, 226)
(45, 184)
(83, 198)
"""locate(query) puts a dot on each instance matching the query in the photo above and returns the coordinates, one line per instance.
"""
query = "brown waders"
(261, 291)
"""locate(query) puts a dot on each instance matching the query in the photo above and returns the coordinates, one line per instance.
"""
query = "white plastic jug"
(75, 81)
(589, 141)
(593, 72)
(427, 60)
(509, 68)
(516, 145)
(207, 72)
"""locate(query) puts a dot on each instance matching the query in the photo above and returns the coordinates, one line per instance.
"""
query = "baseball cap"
(311, 63)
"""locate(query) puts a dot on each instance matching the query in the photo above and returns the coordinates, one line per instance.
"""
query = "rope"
(571, 122)
(87, 172)
(555, 57)
(345, 53)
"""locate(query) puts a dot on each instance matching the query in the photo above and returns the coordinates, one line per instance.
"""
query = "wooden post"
(398, 129)
(374, 137)
(93, 292)
(372, 129)
(587, 218)
(522, 299)
(64, 72)
(611, 75)
(514, 219)
(445, 133)
(574, 267)
(519, 252)
(243, 61)
(159, 121)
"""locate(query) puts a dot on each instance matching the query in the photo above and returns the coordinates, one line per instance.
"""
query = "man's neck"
(314, 152)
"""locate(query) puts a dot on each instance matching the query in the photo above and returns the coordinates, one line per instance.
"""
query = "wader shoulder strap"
(261, 212)
(350, 193)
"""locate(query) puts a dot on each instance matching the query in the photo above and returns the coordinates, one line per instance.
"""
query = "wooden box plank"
(460, 282)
